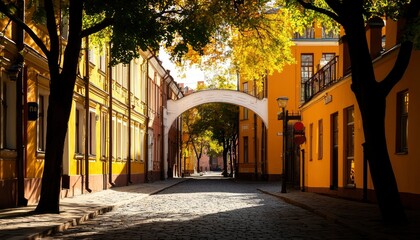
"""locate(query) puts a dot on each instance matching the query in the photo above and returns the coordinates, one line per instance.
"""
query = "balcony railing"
(325, 77)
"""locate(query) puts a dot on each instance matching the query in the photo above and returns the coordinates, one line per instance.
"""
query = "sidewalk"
(358, 216)
(20, 223)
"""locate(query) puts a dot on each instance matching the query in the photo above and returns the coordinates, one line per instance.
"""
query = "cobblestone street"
(209, 209)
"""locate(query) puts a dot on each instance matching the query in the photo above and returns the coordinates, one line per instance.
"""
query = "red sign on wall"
(299, 133)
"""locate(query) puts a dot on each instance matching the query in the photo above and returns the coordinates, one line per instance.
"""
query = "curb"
(79, 220)
(70, 223)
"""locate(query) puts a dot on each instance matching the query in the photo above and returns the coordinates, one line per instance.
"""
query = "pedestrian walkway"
(21, 223)
(359, 216)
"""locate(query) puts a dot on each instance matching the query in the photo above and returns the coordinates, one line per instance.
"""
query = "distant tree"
(371, 92)
(221, 119)
(199, 137)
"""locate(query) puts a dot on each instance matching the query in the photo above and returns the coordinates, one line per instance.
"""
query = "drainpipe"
(110, 180)
(164, 139)
(20, 159)
(86, 79)
(129, 127)
(146, 165)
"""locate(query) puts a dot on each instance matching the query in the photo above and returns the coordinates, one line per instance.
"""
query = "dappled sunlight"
(243, 201)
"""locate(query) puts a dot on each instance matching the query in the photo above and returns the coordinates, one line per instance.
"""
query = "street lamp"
(282, 102)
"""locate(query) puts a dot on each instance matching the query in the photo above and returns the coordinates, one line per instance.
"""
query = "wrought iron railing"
(325, 77)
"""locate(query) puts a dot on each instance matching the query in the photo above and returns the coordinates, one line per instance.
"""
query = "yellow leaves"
(265, 48)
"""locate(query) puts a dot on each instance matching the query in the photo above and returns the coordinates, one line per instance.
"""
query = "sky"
(191, 77)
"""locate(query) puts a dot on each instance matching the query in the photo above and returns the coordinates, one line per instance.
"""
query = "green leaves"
(181, 25)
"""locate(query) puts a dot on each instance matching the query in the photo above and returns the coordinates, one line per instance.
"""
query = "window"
(349, 138)
(42, 122)
(118, 142)
(132, 143)
(245, 87)
(245, 113)
(135, 78)
(92, 56)
(329, 34)
(328, 56)
(103, 134)
(79, 131)
(92, 133)
(246, 155)
(137, 142)
(142, 145)
(320, 139)
(306, 72)
(114, 135)
(124, 76)
(308, 33)
(402, 122)
(144, 79)
(64, 26)
(124, 143)
(150, 150)
(8, 114)
(102, 63)
(118, 73)
(329, 73)
(114, 73)
(311, 141)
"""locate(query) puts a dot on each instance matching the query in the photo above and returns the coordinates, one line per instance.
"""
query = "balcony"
(325, 77)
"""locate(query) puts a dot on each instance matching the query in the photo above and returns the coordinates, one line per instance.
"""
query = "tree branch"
(5, 10)
(52, 31)
(330, 14)
(98, 27)
(404, 54)
(401, 64)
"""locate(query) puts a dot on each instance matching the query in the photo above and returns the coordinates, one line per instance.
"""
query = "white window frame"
(80, 130)
(118, 140)
(114, 137)
(124, 142)
(92, 132)
(42, 120)
(142, 147)
(103, 134)
(144, 79)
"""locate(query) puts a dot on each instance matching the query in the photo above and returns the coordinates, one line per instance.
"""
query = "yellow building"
(107, 142)
(334, 159)
(108, 118)
(331, 160)
(260, 149)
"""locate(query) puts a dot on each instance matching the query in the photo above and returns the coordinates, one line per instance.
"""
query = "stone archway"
(176, 108)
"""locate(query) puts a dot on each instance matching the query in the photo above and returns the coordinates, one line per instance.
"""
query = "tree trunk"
(225, 151)
(231, 163)
(60, 101)
(385, 184)
(372, 103)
